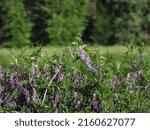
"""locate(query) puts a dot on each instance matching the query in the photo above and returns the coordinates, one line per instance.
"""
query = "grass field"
(7, 55)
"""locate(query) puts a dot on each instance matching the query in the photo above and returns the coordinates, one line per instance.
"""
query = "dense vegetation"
(59, 21)
(77, 81)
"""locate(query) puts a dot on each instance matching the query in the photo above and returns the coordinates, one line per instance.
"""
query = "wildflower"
(86, 59)
(128, 76)
(57, 67)
(88, 64)
(1, 89)
(35, 70)
(34, 96)
(82, 54)
(60, 76)
(76, 77)
(56, 100)
(32, 82)
(117, 98)
(137, 90)
(111, 84)
(12, 80)
(27, 96)
(130, 88)
(76, 98)
(1, 73)
(97, 106)
(79, 105)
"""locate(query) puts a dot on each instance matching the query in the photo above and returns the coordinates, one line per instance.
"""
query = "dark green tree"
(16, 27)
(66, 19)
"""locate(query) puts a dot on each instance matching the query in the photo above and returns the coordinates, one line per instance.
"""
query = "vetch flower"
(76, 77)
(34, 95)
(1, 89)
(56, 100)
(35, 70)
(82, 53)
(96, 105)
(32, 82)
(1, 73)
(86, 60)
(12, 80)
(117, 98)
(131, 88)
(79, 105)
(111, 84)
(60, 76)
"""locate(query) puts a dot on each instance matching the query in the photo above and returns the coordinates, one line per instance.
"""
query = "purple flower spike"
(1, 89)
(35, 70)
(60, 76)
(111, 84)
(97, 106)
(56, 100)
(79, 105)
(27, 96)
(34, 96)
(1, 73)
(131, 88)
(87, 60)
(117, 98)
(32, 82)
(12, 80)
(82, 54)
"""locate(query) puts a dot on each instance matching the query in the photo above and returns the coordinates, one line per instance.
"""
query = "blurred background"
(58, 22)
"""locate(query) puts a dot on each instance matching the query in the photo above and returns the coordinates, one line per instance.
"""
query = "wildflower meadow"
(77, 81)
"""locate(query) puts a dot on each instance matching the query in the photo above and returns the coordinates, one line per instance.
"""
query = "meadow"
(78, 78)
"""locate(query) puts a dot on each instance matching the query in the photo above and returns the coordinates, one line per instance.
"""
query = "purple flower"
(86, 59)
(35, 70)
(131, 88)
(1, 73)
(79, 105)
(34, 96)
(57, 67)
(60, 76)
(76, 77)
(117, 98)
(1, 89)
(32, 82)
(139, 73)
(76, 98)
(111, 84)
(88, 64)
(82, 54)
(97, 106)
(27, 96)
(56, 100)
(12, 80)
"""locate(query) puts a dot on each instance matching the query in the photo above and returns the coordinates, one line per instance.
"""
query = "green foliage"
(117, 20)
(67, 19)
(15, 25)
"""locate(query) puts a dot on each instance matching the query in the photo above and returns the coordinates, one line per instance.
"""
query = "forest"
(58, 22)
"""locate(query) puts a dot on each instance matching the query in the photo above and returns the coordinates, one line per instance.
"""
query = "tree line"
(105, 22)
